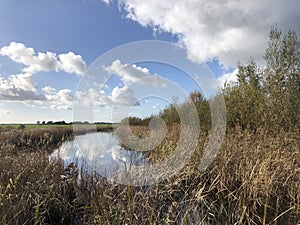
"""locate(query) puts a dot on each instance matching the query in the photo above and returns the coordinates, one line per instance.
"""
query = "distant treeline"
(267, 96)
(74, 122)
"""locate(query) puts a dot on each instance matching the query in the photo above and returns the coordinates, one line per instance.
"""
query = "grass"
(253, 180)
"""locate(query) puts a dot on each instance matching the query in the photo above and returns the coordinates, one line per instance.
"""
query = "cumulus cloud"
(38, 62)
(61, 99)
(124, 96)
(20, 87)
(19, 53)
(223, 29)
(49, 90)
(119, 96)
(90, 97)
(72, 63)
(23, 81)
(134, 74)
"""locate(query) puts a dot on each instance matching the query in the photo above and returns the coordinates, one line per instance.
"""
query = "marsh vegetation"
(254, 180)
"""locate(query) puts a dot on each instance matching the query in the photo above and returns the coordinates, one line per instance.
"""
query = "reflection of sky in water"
(101, 151)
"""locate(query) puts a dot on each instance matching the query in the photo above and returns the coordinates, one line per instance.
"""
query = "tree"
(170, 114)
(268, 97)
(282, 80)
(132, 120)
(203, 109)
(245, 101)
(249, 75)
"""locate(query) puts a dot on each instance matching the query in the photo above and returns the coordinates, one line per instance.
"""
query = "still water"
(100, 152)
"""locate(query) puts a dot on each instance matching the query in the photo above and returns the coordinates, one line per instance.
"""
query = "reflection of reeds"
(253, 180)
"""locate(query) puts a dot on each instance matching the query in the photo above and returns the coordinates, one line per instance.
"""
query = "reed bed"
(253, 180)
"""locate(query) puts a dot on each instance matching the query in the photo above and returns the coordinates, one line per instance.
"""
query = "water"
(101, 152)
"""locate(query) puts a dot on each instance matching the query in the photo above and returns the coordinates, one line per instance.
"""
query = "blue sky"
(46, 47)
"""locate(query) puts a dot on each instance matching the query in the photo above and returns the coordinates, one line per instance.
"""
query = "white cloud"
(49, 61)
(62, 99)
(20, 87)
(49, 90)
(72, 63)
(134, 74)
(124, 96)
(92, 96)
(23, 81)
(227, 78)
(223, 29)
(19, 53)
(119, 96)
(42, 62)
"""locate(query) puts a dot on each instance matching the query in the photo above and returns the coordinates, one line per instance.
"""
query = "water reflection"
(102, 152)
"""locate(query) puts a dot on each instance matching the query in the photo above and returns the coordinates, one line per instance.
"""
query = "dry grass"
(253, 180)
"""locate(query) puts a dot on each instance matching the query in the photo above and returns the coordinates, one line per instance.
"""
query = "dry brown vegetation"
(253, 180)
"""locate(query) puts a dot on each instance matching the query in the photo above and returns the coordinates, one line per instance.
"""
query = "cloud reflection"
(102, 153)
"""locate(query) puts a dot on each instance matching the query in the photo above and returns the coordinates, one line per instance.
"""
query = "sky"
(49, 48)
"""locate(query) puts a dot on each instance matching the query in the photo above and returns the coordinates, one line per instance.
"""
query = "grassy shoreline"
(255, 179)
